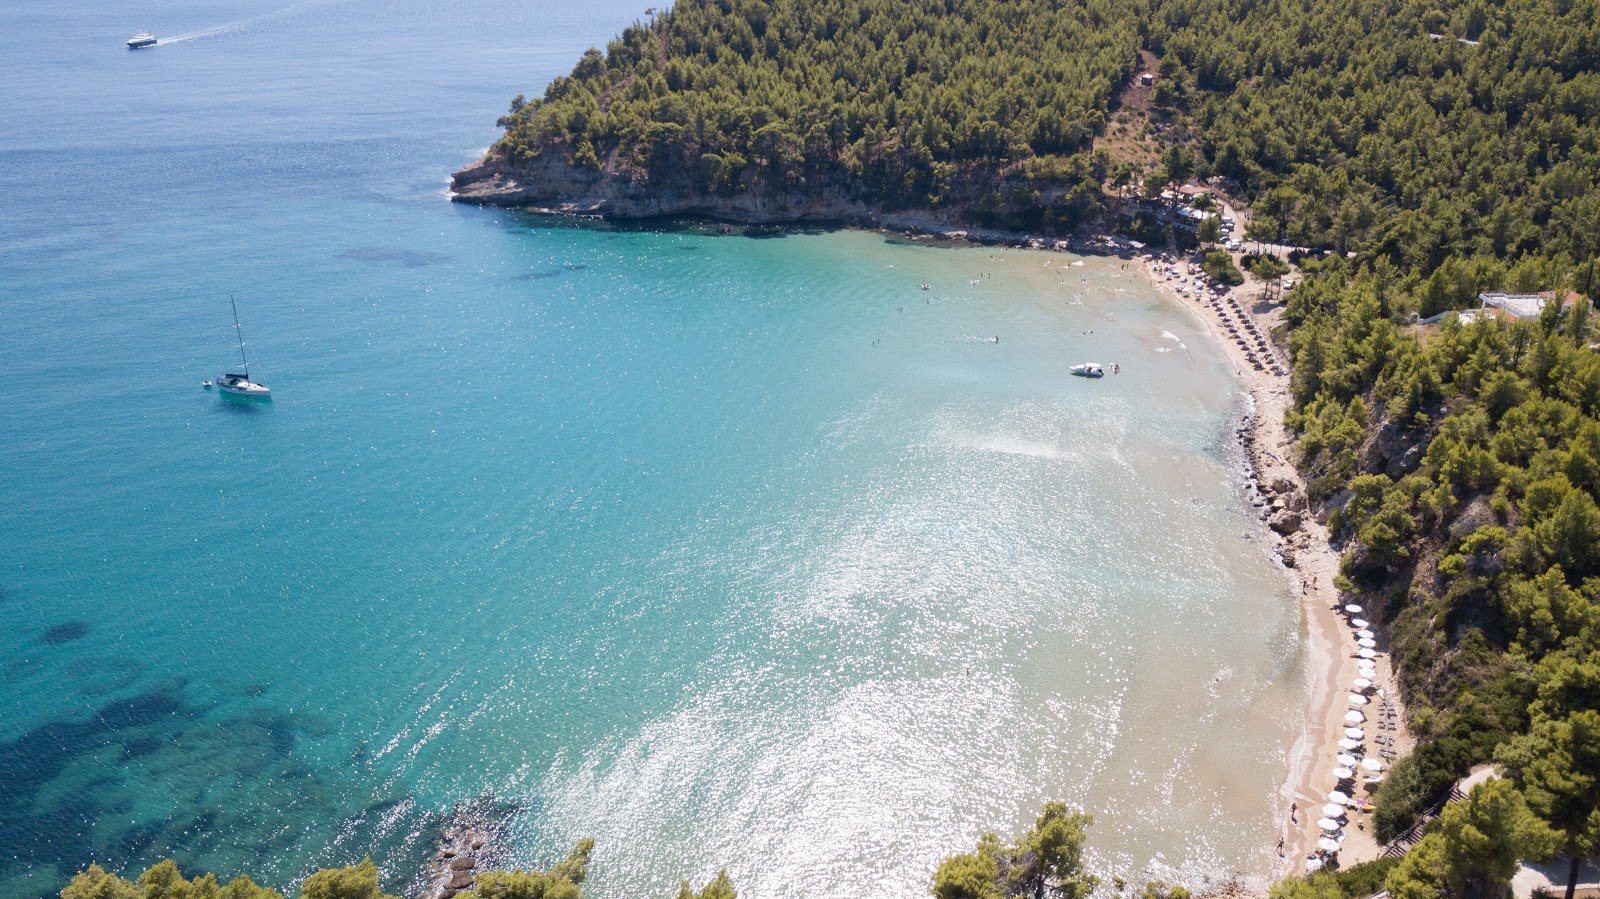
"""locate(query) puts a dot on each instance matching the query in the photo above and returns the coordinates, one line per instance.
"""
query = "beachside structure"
(1526, 305)
(1189, 218)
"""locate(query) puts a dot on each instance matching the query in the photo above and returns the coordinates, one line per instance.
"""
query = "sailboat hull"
(242, 386)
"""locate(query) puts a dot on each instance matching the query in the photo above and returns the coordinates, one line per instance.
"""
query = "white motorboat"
(1089, 370)
(141, 40)
(237, 384)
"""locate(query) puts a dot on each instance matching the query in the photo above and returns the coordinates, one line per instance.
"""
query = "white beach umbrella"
(1370, 672)
(1334, 810)
(1354, 717)
(1349, 745)
(1357, 699)
(1343, 773)
(1353, 609)
(1328, 824)
(1365, 633)
(1355, 733)
(1358, 622)
(1367, 653)
(1326, 844)
(1346, 760)
(1337, 796)
(1372, 765)
(1367, 642)
(1362, 683)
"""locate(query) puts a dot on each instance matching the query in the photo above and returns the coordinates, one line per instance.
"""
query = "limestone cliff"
(550, 182)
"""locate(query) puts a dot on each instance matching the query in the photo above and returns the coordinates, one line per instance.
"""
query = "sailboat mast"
(240, 332)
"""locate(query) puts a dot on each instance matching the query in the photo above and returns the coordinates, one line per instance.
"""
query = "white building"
(1524, 305)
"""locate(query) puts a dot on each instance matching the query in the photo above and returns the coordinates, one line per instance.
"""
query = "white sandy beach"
(1330, 638)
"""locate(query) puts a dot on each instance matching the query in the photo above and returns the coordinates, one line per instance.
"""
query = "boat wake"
(248, 24)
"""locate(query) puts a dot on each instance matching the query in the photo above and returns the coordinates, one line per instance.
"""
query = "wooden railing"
(1412, 835)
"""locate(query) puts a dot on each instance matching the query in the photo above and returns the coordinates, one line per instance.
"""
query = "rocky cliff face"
(550, 183)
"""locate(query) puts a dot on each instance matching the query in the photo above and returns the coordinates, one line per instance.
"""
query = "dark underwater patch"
(406, 258)
(765, 232)
(229, 404)
(549, 273)
(37, 757)
(280, 733)
(65, 633)
(72, 789)
(138, 747)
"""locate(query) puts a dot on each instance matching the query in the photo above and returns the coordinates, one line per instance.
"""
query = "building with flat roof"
(1525, 305)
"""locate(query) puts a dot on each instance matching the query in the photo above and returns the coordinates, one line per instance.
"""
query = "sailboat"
(236, 384)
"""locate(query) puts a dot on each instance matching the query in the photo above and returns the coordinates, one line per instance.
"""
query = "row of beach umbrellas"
(1353, 738)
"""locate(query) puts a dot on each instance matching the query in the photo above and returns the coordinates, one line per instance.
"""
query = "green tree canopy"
(1558, 764)
(1306, 888)
(1046, 861)
(161, 881)
(560, 882)
(970, 875)
(1266, 266)
(1219, 265)
(1050, 856)
(987, 104)
(719, 887)
(1475, 850)
(358, 881)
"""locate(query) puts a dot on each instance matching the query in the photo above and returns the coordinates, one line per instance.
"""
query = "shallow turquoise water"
(725, 550)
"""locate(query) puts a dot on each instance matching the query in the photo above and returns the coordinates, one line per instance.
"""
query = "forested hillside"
(909, 104)
(1355, 129)
(1453, 149)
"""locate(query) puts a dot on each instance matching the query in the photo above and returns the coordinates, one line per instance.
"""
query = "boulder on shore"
(1285, 523)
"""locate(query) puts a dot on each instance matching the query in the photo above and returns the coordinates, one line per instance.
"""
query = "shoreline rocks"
(472, 841)
(549, 184)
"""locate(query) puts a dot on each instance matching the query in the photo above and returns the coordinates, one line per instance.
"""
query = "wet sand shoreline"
(1278, 491)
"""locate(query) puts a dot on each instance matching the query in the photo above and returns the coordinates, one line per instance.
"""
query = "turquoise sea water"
(725, 550)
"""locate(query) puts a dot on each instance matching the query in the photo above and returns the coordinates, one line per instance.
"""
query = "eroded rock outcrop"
(472, 841)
